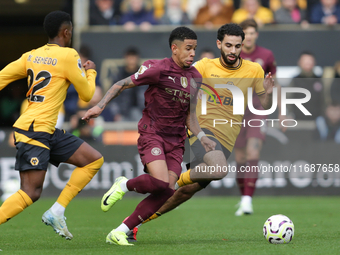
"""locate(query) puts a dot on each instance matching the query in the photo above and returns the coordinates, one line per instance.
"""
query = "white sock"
(123, 186)
(58, 209)
(246, 199)
(122, 227)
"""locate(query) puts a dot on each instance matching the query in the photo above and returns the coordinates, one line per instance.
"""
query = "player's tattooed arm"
(191, 121)
(113, 92)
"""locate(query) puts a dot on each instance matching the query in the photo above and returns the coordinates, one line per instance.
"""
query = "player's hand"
(269, 83)
(89, 65)
(94, 112)
(209, 145)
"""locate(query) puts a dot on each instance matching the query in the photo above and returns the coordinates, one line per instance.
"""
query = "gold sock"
(153, 217)
(80, 177)
(14, 205)
(184, 179)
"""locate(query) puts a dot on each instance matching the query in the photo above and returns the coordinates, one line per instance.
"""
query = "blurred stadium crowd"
(210, 14)
(146, 13)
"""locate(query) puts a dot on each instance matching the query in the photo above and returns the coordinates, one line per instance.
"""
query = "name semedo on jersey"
(239, 109)
(41, 60)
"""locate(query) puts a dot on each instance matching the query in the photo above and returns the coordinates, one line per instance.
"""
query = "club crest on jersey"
(141, 70)
(34, 161)
(156, 151)
(184, 82)
(260, 61)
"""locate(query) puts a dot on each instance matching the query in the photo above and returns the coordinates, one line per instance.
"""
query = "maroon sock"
(148, 207)
(251, 178)
(240, 177)
(145, 183)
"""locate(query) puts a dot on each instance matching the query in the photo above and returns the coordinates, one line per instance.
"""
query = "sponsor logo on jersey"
(172, 78)
(179, 95)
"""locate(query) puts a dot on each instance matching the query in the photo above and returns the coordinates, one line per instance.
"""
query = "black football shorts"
(36, 149)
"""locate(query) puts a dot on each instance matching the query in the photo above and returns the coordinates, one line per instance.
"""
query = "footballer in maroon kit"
(170, 105)
(167, 101)
(250, 139)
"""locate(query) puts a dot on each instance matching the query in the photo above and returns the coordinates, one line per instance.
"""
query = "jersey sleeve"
(259, 78)
(13, 71)
(147, 74)
(83, 81)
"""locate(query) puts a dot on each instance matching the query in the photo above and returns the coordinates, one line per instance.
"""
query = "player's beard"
(226, 60)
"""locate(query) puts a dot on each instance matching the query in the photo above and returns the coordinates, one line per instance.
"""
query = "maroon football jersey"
(168, 97)
(266, 59)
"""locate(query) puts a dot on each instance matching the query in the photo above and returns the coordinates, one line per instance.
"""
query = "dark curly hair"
(53, 22)
(229, 29)
(182, 33)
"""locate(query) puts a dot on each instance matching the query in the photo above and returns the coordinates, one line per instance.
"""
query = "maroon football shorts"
(154, 147)
(252, 128)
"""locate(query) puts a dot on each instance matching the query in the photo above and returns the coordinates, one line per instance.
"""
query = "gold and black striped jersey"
(50, 70)
(214, 71)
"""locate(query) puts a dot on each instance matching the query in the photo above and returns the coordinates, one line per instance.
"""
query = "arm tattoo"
(115, 90)
(173, 175)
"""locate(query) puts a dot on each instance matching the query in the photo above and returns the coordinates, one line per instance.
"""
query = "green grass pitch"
(203, 225)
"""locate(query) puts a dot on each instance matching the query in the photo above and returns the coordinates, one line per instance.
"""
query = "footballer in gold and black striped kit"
(50, 70)
(246, 74)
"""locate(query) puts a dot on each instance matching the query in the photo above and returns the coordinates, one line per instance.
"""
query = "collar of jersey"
(231, 68)
(52, 44)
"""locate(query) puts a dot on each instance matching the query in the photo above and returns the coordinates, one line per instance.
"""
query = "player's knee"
(218, 171)
(99, 162)
(159, 186)
(253, 154)
(34, 194)
(240, 156)
(98, 156)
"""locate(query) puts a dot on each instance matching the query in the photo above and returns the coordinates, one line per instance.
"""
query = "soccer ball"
(278, 229)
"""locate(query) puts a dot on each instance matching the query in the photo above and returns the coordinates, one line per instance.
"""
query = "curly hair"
(182, 33)
(53, 22)
(229, 29)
